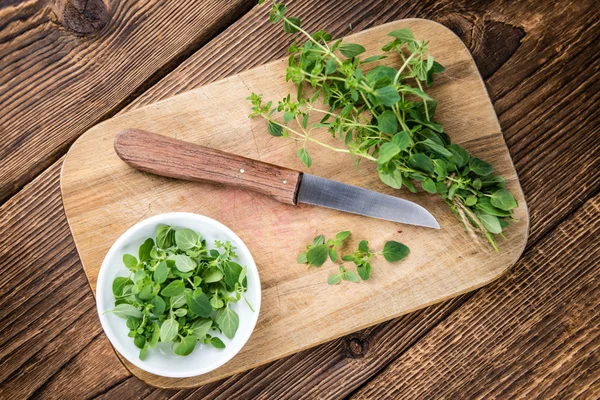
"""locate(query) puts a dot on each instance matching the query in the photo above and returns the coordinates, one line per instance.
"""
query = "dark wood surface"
(173, 158)
(532, 334)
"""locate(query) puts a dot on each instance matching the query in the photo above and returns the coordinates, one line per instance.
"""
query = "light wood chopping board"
(103, 197)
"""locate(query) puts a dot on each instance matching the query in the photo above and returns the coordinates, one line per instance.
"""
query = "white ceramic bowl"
(162, 360)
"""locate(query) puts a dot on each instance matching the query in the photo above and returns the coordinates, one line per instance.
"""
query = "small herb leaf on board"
(394, 251)
(334, 279)
(317, 255)
(304, 157)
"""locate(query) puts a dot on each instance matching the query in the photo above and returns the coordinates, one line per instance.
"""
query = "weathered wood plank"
(332, 369)
(46, 308)
(69, 64)
(532, 334)
(97, 370)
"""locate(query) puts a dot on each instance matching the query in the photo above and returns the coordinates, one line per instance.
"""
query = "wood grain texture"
(110, 199)
(517, 338)
(173, 158)
(48, 314)
(556, 136)
(69, 64)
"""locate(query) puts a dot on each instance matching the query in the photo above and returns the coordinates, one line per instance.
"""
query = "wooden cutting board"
(103, 197)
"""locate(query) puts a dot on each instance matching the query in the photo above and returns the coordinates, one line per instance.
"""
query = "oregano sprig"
(382, 114)
(319, 250)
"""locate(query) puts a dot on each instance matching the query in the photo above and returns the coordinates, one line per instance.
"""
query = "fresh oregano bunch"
(383, 114)
(177, 291)
(320, 249)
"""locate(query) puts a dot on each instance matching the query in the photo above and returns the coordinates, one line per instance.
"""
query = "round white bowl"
(162, 360)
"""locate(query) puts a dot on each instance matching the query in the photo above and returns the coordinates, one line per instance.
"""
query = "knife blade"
(170, 157)
(328, 193)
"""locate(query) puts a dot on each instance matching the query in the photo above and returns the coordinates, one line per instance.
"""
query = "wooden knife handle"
(166, 156)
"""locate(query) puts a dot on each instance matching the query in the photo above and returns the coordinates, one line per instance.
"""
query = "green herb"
(343, 275)
(383, 114)
(394, 251)
(179, 291)
(320, 248)
(316, 253)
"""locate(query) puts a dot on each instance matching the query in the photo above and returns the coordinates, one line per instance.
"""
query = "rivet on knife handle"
(170, 157)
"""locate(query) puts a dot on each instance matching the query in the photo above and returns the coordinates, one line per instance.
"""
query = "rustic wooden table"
(68, 64)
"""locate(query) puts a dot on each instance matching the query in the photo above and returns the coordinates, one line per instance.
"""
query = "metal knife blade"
(324, 192)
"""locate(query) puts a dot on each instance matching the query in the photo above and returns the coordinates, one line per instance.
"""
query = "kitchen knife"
(170, 157)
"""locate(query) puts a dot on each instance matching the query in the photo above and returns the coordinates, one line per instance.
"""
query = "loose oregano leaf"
(186, 239)
(201, 326)
(334, 279)
(119, 284)
(302, 259)
(394, 251)
(184, 263)
(174, 288)
(317, 255)
(161, 272)
(158, 306)
(364, 271)
(350, 276)
(304, 157)
(341, 236)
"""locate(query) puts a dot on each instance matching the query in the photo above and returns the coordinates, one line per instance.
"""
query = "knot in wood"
(356, 348)
(84, 17)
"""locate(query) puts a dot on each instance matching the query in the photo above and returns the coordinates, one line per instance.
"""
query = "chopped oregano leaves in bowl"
(178, 294)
